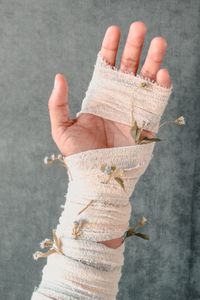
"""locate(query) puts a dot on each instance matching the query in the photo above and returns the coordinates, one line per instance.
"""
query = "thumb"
(58, 104)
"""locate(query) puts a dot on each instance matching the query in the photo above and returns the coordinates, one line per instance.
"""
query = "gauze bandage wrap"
(101, 181)
(113, 94)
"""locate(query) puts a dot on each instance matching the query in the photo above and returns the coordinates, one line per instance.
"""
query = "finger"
(133, 47)
(110, 44)
(154, 58)
(163, 78)
(58, 103)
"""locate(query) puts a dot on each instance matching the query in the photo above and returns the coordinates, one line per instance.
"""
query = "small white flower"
(46, 160)
(180, 121)
(60, 156)
(35, 255)
(76, 228)
(143, 221)
(45, 243)
(53, 157)
(107, 170)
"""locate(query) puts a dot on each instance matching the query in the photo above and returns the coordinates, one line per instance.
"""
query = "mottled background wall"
(41, 38)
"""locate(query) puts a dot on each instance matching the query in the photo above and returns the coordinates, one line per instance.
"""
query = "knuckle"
(129, 62)
(148, 74)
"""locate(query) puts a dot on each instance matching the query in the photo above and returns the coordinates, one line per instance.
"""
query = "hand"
(89, 131)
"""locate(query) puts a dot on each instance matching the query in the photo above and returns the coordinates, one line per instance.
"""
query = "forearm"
(92, 268)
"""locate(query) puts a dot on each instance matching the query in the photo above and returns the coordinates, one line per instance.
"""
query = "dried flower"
(60, 156)
(47, 160)
(55, 245)
(142, 221)
(113, 172)
(46, 243)
(147, 140)
(108, 170)
(136, 131)
(132, 230)
(144, 84)
(76, 229)
(179, 121)
(53, 157)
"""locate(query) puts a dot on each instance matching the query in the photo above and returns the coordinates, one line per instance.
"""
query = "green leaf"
(120, 181)
(147, 140)
(133, 130)
(139, 131)
(130, 232)
(142, 235)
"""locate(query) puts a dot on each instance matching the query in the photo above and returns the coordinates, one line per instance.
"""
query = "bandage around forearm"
(101, 182)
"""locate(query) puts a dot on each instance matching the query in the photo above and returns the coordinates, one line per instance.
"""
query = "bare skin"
(80, 134)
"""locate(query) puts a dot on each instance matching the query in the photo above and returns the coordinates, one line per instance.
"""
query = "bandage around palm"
(101, 182)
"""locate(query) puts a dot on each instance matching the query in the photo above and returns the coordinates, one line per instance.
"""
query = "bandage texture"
(113, 94)
(105, 179)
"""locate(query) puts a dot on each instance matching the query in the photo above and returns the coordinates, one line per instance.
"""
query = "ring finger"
(154, 58)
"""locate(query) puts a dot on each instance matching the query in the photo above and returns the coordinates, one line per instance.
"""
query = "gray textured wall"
(40, 38)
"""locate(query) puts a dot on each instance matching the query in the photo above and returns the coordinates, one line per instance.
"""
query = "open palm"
(89, 131)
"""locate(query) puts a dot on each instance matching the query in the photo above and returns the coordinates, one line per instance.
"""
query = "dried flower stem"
(132, 230)
(166, 122)
(55, 244)
(85, 207)
(76, 229)
(113, 172)
(60, 157)
(179, 121)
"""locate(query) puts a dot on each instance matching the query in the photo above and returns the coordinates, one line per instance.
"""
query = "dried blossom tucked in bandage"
(101, 182)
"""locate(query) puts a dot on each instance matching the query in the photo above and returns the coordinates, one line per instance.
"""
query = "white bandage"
(112, 94)
(87, 269)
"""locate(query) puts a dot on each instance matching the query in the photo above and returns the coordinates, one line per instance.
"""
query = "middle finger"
(133, 47)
